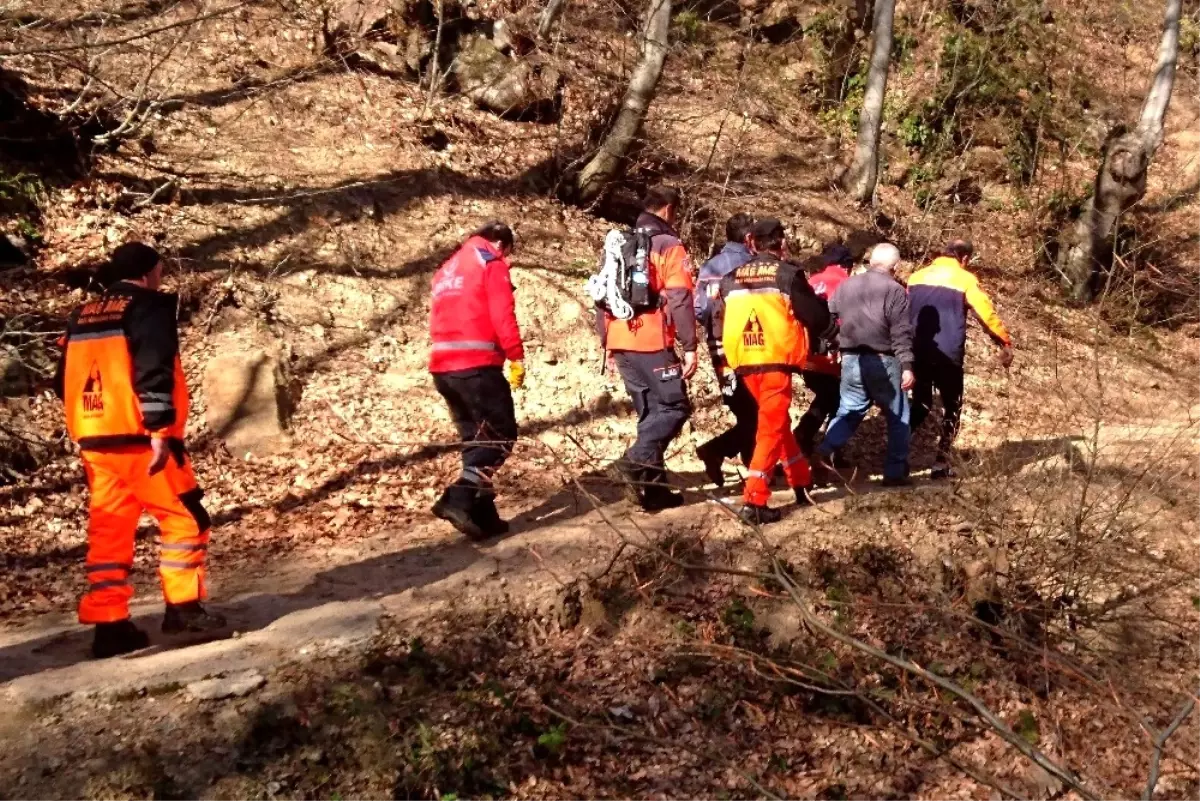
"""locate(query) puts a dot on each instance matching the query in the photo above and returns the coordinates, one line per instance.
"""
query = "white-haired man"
(875, 340)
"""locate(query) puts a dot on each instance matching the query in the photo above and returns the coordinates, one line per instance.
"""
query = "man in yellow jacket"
(940, 297)
(766, 315)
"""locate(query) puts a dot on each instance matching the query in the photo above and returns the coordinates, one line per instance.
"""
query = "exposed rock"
(245, 392)
(503, 84)
(233, 686)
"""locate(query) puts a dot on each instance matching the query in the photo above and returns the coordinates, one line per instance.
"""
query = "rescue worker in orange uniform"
(767, 315)
(126, 403)
(643, 351)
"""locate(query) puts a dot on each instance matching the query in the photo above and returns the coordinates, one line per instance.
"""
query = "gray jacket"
(873, 310)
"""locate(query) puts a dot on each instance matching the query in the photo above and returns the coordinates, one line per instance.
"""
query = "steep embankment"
(308, 206)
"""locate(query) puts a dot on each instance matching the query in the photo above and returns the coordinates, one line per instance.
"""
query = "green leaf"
(1027, 727)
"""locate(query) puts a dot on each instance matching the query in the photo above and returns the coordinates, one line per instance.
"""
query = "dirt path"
(321, 604)
(331, 601)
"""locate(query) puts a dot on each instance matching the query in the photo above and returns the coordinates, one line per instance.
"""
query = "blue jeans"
(869, 378)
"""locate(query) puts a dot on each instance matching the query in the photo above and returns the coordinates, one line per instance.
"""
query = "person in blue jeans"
(875, 340)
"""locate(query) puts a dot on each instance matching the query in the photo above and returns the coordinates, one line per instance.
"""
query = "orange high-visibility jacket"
(120, 378)
(759, 327)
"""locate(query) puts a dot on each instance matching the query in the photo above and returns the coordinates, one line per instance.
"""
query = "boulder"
(234, 686)
(501, 83)
(246, 396)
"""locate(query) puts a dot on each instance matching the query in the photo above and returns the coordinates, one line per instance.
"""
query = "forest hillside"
(1028, 629)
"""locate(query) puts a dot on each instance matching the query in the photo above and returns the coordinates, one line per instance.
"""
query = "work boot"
(455, 507)
(628, 476)
(757, 515)
(190, 617)
(713, 462)
(114, 639)
(897, 481)
(486, 516)
(659, 497)
(803, 496)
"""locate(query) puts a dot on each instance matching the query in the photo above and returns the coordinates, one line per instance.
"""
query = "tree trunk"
(550, 15)
(1086, 248)
(863, 174)
(606, 165)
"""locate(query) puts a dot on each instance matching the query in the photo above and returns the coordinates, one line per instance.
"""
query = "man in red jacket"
(473, 326)
(822, 373)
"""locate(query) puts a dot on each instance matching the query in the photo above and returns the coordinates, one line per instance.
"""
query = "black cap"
(836, 253)
(130, 261)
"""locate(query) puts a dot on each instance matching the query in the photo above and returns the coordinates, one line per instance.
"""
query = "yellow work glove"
(516, 374)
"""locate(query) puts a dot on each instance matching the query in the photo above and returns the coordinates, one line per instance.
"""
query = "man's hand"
(1006, 356)
(516, 374)
(159, 453)
(728, 383)
(907, 379)
(689, 364)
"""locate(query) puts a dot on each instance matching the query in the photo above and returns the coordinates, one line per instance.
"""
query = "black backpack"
(621, 285)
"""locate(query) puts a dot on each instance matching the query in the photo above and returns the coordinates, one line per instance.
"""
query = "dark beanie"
(836, 254)
(767, 228)
(130, 262)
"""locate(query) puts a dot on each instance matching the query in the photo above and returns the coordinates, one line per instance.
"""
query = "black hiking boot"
(803, 496)
(486, 516)
(191, 617)
(897, 481)
(659, 497)
(628, 476)
(713, 462)
(114, 639)
(759, 515)
(455, 507)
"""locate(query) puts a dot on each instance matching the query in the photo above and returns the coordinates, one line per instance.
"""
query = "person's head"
(499, 234)
(885, 258)
(136, 263)
(837, 253)
(767, 236)
(738, 228)
(662, 202)
(960, 250)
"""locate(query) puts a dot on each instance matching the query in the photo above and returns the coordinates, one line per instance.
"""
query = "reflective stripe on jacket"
(939, 297)
(122, 378)
(758, 327)
(671, 280)
(472, 319)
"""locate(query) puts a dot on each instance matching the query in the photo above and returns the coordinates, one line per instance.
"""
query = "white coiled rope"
(603, 285)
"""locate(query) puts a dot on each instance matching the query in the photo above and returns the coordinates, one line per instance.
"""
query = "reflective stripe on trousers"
(774, 440)
(120, 490)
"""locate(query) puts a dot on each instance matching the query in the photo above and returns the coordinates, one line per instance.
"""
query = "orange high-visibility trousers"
(120, 491)
(774, 441)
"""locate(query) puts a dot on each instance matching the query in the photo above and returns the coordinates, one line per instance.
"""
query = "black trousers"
(655, 383)
(738, 440)
(935, 370)
(827, 396)
(481, 405)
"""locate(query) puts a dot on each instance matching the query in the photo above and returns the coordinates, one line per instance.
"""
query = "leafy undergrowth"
(656, 681)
